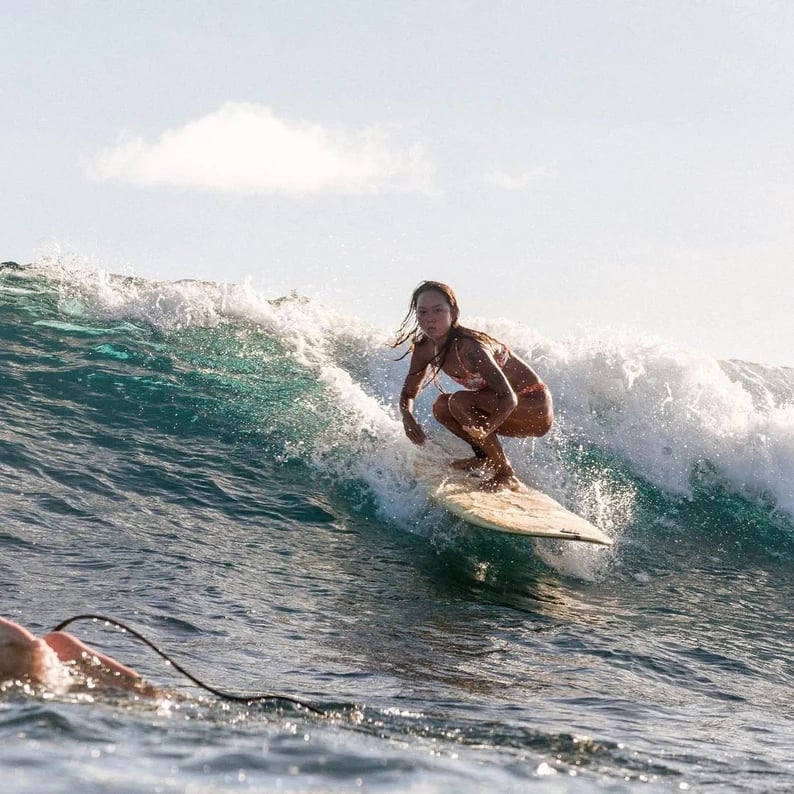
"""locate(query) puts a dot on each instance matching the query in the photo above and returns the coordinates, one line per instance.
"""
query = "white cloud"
(520, 182)
(245, 148)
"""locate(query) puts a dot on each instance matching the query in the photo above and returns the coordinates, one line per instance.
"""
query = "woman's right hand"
(413, 430)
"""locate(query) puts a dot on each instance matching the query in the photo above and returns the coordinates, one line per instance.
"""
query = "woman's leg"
(443, 415)
(532, 417)
(471, 408)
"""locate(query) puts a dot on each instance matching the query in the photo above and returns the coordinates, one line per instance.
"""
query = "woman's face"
(434, 314)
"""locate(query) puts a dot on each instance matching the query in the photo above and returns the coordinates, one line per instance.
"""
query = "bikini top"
(473, 380)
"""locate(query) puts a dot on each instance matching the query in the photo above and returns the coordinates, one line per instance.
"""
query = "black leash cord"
(224, 695)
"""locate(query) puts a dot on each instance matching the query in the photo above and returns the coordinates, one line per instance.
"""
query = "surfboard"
(524, 512)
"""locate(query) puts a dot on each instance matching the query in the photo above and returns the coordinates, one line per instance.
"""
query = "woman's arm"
(96, 665)
(411, 388)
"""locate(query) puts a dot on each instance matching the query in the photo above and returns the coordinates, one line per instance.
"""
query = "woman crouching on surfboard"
(502, 396)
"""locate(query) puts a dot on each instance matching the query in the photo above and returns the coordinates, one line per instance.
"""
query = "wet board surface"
(523, 512)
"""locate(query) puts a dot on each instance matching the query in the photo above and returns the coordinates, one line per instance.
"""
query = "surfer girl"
(59, 661)
(502, 395)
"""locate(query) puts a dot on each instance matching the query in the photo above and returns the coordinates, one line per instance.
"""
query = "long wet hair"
(409, 330)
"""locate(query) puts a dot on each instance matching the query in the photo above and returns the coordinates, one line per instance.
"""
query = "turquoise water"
(225, 473)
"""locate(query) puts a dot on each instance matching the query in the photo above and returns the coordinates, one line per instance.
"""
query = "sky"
(581, 167)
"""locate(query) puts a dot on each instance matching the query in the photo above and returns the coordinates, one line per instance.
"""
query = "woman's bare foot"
(501, 481)
(469, 464)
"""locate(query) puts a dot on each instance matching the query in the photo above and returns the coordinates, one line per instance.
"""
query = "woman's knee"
(441, 408)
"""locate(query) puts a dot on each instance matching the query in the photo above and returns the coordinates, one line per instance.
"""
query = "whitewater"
(225, 471)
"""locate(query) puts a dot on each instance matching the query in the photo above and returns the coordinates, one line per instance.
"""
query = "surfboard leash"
(249, 699)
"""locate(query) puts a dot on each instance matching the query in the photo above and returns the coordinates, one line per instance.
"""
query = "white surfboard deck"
(524, 512)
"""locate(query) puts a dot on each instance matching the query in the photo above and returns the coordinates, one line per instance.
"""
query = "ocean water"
(224, 472)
